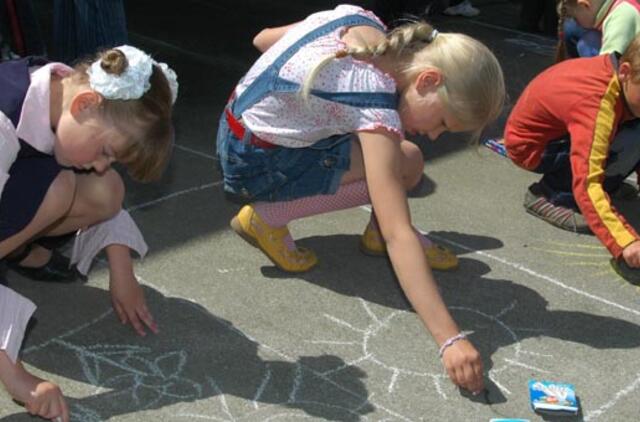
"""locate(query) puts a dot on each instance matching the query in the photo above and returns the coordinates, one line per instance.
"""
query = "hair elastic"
(134, 81)
(449, 343)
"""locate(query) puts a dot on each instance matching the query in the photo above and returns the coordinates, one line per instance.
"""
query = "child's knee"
(60, 194)
(104, 194)
(414, 164)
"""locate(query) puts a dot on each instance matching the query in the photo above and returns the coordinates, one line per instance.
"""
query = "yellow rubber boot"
(270, 240)
(438, 257)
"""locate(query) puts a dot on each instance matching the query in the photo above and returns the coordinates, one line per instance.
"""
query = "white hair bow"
(134, 81)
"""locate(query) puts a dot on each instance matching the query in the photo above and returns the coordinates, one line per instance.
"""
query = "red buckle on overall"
(239, 131)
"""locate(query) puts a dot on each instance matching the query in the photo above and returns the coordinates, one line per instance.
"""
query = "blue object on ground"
(495, 146)
(553, 397)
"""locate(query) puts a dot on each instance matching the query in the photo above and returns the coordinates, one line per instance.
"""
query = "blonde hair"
(146, 122)
(632, 56)
(473, 89)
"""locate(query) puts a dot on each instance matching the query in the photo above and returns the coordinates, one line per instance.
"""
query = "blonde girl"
(302, 136)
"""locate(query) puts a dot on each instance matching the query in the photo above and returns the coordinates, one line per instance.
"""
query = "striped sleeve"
(592, 131)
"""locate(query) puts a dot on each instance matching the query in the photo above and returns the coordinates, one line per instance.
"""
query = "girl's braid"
(409, 36)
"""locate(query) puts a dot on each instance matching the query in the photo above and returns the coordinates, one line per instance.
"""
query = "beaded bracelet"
(449, 342)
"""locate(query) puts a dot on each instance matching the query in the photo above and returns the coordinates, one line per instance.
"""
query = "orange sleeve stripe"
(605, 121)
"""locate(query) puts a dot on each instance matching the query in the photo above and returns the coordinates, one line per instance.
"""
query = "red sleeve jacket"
(581, 98)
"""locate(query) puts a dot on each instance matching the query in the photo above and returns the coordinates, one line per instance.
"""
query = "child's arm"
(269, 36)
(590, 145)
(126, 293)
(39, 397)
(382, 159)
(117, 236)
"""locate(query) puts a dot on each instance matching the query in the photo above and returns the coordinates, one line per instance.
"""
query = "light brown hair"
(145, 122)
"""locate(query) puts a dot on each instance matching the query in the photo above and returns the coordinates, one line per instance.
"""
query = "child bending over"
(576, 124)
(301, 137)
(61, 129)
(596, 26)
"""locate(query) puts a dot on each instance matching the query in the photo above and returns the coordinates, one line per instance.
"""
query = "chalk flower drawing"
(146, 378)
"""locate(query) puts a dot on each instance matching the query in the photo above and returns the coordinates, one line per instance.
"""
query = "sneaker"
(535, 203)
(462, 9)
(439, 257)
(625, 192)
(270, 240)
(632, 275)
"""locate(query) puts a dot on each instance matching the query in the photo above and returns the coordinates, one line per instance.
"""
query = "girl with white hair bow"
(60, 131)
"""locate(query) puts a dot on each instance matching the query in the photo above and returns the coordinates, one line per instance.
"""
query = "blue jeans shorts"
(252, 173)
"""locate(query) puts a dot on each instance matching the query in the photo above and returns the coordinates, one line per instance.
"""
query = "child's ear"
(624, 72)
(584, 3)
(429, 78)
(85, 101)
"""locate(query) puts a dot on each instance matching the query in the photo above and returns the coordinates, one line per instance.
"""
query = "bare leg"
(98, 198)
(72, 202)
(413, 164)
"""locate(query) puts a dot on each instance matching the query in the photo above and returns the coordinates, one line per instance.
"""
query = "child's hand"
(464, 366)
(631, 254)
(48, 402)
(129, 303)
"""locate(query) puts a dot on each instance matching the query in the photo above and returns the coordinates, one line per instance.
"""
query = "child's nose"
(102, 164)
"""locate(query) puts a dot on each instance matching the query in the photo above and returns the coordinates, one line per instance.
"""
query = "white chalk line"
(286, 357)
(173, 195)
(524, 269)
(538, 275)
(196, 152)
(619, 395)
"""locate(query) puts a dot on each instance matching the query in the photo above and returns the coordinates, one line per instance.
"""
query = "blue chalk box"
(553, 397)
(509, 420)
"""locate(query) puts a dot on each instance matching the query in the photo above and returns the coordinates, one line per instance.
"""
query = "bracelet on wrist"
(449, 342)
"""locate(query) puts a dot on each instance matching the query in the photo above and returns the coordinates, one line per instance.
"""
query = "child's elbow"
(260, 40)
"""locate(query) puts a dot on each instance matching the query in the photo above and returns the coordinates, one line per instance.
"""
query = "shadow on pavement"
(197, 356)
(497, 313)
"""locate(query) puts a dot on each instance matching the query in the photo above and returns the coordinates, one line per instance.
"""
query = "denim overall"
(33, 172)
(555, 166)
(255, 173)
